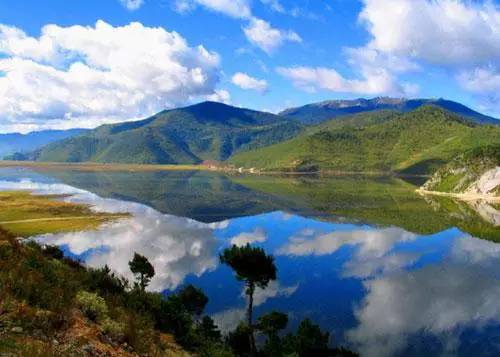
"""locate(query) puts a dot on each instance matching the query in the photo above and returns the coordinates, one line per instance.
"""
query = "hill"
(417, 142)
(476, 171)
(24, 143)
(317, 112)
(205, 131)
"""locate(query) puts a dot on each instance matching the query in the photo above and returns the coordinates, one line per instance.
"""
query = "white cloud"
(261, 34)
(219, 95)
(461, 36)
(258, 235)
(440, 31)
(132, 4)
(375, 81)
(84, 76)
(233, 8)
(275, 5)
(245, 81)
(484, 82)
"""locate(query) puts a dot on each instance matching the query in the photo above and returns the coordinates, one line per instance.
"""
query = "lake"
(385, 271)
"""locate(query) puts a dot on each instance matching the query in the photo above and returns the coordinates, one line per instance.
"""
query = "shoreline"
(460, 196)
(119, 167)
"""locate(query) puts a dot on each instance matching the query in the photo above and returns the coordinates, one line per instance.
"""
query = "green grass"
(418, 142)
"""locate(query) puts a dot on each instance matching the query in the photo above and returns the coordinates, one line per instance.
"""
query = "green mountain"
(205, 131)
(417, 142)
(17, 144)
(318, 112)
(475, 171)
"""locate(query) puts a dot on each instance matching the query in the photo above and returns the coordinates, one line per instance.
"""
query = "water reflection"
(382, 290)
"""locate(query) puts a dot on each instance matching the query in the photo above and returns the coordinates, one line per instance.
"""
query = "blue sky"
(83, 63)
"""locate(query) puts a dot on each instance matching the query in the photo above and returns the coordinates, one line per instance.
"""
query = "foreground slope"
(206, 131)
(319, 112)
(418, 142)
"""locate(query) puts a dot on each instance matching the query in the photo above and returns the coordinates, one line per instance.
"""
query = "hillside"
(318, 112)
(23, 143)
(206, 131)
(476, 171)
(417, 142)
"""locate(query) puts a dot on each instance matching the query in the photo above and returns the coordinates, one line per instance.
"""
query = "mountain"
(417, 142)
(474, 172)
(205, 131)
(24, 143)
(318, 112)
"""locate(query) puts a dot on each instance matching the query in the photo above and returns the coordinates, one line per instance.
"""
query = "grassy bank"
(24, 214)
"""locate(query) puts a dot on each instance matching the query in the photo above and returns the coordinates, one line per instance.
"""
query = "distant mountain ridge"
(317, 112)
(24, 143)
(190, 135)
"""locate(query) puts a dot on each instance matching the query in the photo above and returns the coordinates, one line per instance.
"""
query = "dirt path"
(33, 220)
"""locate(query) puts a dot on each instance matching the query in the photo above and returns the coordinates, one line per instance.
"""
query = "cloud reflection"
(175, 246)
(438, 299)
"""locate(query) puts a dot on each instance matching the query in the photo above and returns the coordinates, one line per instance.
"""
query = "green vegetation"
(417, 142)
(24, 214)
(461, 173)
(206, 131)
(52, 305)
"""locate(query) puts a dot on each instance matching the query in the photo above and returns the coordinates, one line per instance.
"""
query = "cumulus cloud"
(461, 36)
(258, 235)
(375, 81)
(245, 81)
(261, 34)
(132, 4)
(219, 95)
(442, 31)
(85, 76)
(258, 32)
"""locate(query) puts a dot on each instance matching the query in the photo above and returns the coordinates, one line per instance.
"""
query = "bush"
(92, 305)
(114, 330)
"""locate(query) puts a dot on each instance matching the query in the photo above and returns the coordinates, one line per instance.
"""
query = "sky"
(83, 63)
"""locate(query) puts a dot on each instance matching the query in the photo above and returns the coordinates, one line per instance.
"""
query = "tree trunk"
(250, 291)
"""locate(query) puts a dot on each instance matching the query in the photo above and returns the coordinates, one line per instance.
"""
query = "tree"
(193, 299)
(253, 266)
(310, 340)
(142, 269)
(270, 325)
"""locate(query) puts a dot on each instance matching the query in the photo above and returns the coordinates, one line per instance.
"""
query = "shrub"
(114, 330)
(92, 305)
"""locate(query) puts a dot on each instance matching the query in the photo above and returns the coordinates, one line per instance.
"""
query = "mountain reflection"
(381, 290)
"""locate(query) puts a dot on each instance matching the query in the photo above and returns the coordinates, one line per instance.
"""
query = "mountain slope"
(318, 112)
(24, 143)
(417, 142)
(205, 131)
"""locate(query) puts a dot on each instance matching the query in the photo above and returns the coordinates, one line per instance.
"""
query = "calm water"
(387, 272)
